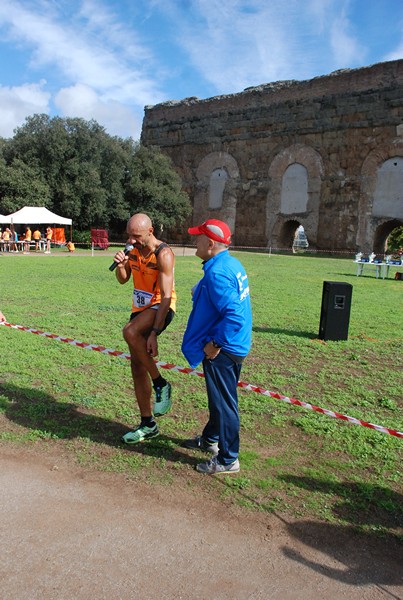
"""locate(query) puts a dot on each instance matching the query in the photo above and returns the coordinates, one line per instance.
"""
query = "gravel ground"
(72, 533)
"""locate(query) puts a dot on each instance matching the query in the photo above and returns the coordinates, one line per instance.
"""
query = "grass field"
(293, 461)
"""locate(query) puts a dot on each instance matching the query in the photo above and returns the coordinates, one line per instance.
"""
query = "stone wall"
(293, 152)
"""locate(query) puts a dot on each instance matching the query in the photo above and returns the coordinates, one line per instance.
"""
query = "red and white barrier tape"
(190, 371)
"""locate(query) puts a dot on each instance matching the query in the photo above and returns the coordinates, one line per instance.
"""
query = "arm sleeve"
(225, 295)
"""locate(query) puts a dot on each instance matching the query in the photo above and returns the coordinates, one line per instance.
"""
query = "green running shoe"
(140, 434)
(163, 401)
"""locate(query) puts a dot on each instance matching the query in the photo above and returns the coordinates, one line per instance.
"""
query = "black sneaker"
(199, 443)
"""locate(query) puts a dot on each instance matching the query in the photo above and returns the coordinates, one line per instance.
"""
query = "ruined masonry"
(326, 154)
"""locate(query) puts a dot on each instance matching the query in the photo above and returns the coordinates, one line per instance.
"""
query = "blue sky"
(107, 59)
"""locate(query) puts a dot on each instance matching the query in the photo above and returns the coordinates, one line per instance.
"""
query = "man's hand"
(152, 344)
(210, 350)
(122, 270)
(121, 258)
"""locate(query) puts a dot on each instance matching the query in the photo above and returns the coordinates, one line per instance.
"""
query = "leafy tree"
(115, 162)
(21, 184)
(154, 188)
(395, 240)
(67, 152)
(76, 169)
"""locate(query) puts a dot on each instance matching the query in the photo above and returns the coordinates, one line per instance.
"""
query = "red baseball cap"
(213, 229)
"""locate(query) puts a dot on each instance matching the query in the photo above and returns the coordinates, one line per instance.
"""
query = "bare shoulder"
(165, 258)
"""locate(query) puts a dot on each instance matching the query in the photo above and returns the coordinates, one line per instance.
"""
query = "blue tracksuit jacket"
(221, 310)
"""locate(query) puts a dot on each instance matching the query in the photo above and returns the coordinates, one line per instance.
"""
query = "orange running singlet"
(145, 273)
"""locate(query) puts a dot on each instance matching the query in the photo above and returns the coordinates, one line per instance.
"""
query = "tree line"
(75, 169)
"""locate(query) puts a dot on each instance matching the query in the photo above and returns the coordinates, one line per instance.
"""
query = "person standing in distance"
(27, 240)
(37, 236)
(49, 236)
(218, 334)
(151, 263)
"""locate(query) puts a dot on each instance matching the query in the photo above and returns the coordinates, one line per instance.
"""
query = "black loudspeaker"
(335, 312)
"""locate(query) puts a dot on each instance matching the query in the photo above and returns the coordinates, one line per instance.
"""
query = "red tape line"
(189, 371)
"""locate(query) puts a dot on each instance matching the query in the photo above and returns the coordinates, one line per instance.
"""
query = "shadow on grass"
(363, 557)
(360, 503)
(368, 275)
(289, 332)
(38, 411)
(346, 553)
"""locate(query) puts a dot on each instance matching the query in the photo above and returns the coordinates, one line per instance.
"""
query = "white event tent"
(38, 215)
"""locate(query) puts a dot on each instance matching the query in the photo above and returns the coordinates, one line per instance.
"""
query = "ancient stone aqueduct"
(325, 153)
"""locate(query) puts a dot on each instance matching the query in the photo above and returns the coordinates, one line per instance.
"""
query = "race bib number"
(141, 298)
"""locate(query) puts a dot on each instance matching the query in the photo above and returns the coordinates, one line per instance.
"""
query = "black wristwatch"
(156, 330)
(216, 345)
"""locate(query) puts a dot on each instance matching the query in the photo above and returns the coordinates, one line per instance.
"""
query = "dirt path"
(68, 533)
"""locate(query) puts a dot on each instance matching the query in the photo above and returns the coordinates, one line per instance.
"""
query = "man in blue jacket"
(218, 333)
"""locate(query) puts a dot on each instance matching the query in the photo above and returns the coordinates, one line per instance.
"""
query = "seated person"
(70, 246)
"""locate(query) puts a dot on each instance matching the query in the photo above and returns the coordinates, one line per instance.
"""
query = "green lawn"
(293, 461)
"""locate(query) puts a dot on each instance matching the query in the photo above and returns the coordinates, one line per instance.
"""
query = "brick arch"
(227, 212)
(368, 225)
(276, 221)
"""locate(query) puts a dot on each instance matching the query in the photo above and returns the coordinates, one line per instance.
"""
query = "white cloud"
(397, 53)
(106, 60)
(241, 43)
(16, 103)
(320, 10)
(346, 48)
(82, 101)
(236, 44)
(89, 49)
